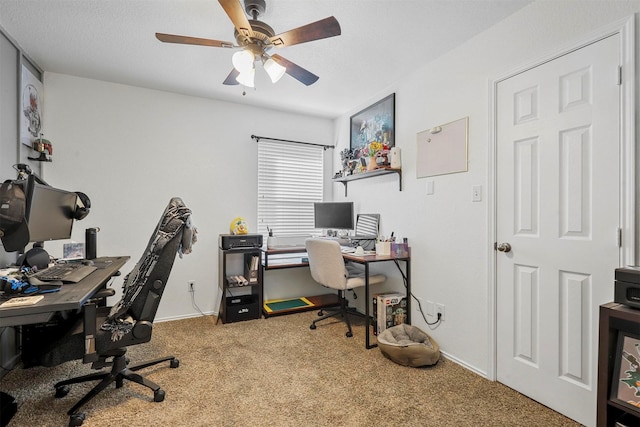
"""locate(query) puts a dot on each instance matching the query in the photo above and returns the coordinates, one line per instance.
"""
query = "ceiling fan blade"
(327, 27)
(234, 10)
(172, 38)
(231, 78)
(296, 71)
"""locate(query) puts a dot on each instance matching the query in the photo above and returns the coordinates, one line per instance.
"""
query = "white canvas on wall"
(30, 107)
(442, 149)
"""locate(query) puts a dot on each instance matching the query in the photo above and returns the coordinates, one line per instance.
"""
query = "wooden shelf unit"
(370, 174)
(239, 302)
(614, 318)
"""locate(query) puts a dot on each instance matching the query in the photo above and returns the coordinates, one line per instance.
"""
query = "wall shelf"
(369, 174)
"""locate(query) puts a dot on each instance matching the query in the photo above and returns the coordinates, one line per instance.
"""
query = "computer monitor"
(49, 212)
(333, 215)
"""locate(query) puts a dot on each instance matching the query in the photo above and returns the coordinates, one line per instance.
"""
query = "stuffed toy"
(239, 226)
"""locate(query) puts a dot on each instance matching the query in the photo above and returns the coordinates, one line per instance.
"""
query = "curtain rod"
(258, 138)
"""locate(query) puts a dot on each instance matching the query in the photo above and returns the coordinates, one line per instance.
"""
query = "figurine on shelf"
(346, 155)
(42, 146)
(382, 158)
(352, 166)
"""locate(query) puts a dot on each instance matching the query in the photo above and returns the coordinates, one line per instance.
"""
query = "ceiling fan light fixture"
(247, 78)
(243, 61)
(275, 70)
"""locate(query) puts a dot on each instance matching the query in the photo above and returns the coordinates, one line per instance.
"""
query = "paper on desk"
(9, 270)
(365, 253)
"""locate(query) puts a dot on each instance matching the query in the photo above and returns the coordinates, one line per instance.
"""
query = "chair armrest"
(103, 293)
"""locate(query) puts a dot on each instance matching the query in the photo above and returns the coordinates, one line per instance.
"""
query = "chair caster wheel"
(312, 326)
(174, 363)
(320, 313)
(349, 334)
(158, 395)
(62, 391)
(76, 420)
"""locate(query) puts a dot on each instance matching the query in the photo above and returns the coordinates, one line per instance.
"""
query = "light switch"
(429, 188)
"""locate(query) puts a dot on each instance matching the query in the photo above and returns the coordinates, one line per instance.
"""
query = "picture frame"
(374, 123)
(31, 102)
(625, 379)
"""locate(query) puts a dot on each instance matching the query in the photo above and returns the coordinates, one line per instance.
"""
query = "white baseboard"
(464, 365)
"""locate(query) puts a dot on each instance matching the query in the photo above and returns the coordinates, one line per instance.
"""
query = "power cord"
(193, 301)
(406, 286)
(438, 320)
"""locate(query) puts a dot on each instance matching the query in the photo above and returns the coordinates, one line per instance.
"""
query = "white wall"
(132, 149)
(448, 233)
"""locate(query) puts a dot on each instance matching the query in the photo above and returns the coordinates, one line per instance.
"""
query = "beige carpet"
(277, 372)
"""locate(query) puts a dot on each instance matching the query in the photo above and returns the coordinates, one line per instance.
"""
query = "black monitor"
(49, 212)
(333, 215)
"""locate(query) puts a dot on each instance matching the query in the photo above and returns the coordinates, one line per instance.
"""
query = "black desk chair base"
(344, 311)
(119, 372)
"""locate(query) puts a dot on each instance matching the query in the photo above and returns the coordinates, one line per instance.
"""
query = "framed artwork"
(625, 383)
(30, 107)
(373, 127)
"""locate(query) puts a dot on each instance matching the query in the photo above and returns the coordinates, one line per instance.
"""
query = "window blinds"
(290, 180)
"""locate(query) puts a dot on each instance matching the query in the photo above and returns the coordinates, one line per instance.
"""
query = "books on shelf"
(251, 271)
(237, 280)
(389, 309)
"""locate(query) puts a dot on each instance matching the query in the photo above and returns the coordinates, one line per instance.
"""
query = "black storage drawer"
(244, 307)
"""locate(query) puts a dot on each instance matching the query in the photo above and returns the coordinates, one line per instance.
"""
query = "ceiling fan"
(256, 39)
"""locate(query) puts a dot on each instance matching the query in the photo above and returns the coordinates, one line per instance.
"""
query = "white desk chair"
(328, 269)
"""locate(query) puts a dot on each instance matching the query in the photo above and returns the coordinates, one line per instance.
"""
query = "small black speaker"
(91, 242)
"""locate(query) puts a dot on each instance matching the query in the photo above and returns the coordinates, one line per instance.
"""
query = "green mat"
(287, 304)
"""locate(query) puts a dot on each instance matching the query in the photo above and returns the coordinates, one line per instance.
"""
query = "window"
(290, 180)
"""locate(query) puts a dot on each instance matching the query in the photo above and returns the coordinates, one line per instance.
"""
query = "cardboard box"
(389, 309)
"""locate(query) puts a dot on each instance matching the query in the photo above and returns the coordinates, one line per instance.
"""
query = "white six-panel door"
(557, 207)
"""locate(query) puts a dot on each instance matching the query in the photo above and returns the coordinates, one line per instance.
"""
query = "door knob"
(504, 247)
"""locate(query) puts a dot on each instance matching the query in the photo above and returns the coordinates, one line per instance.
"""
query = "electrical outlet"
(191, 286)
(430, 308)
(440, 310)
(476, 195)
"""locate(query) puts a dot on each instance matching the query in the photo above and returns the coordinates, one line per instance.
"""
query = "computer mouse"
(87, 262)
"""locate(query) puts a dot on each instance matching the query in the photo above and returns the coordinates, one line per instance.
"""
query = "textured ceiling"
(114, 40)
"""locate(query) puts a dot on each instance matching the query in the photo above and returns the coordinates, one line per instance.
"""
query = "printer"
(627, 286)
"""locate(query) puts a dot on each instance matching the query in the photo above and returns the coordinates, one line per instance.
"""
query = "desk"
(366, 260)
(71, 296)
(294, 257)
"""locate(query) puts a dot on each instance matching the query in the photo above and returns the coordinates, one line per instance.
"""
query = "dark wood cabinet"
(240, 284)
(614, 319)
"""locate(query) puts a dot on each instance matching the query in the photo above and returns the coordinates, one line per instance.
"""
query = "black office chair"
(104, 333)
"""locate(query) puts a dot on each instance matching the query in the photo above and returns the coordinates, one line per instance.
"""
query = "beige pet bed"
(407, 345)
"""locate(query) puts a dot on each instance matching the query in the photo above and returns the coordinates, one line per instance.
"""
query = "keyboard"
(70, 272)
(347, 249)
